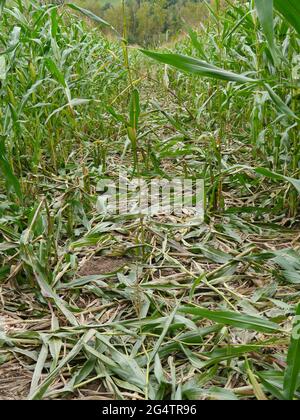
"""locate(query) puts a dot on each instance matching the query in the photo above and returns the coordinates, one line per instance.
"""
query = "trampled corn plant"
(269, 70)
(267, 76)
(53, 79)
(130, 121)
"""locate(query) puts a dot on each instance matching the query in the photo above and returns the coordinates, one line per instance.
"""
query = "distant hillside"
(115, 2)
(150, 22)
(104, 2)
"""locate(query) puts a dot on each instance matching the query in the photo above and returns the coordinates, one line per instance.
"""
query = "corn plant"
(258, 78)
(163, 307)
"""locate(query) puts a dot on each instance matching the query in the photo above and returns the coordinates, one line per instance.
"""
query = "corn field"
(165, 306)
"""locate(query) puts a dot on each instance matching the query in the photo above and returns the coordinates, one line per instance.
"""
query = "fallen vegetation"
(105, 306)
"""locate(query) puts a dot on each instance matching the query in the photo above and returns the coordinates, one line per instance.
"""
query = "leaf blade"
(292, 372)
(233, 318)
(198, 67)
(290, 9)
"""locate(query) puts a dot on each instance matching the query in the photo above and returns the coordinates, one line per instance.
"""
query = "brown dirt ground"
(102, 265)
(14, 381)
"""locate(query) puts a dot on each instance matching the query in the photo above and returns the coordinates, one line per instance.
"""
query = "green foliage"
(199, 67)
(203, 68)
(292, 374)
(161, 307)
(290, 9)
(265, 14)
(150, 22)
(231, 318)
(49, 73)
(90, 15)
(7, 171)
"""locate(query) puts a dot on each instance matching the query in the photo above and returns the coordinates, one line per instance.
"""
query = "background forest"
(150, 21)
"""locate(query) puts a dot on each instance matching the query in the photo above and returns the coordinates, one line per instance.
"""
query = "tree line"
(150, 22)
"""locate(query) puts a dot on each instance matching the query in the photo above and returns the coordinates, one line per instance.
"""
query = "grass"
(102, 306)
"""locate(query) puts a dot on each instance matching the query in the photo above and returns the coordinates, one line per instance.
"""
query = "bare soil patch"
(102, 265)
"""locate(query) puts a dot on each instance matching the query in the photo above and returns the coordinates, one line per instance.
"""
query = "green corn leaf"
(11, 180)
(85, 370)
(55, 72)
(91, 15)
(2, 68)
(270, 384)
(42, 388)
(226, 353)
(247, 322)
(277, 177)
(195, 66)
(196, 43)
(265, 14)
(292, 372)
(40, 364)
(220, 394)
(134, 109)
(42, 277)
(2, 4)
(164, 332)
(290, 10)
(280, 105)
(72, 103)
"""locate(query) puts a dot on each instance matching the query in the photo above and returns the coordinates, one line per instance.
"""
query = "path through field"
(106, 306)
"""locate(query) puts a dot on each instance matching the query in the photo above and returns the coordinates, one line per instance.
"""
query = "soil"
(102, 265)
(15, 381)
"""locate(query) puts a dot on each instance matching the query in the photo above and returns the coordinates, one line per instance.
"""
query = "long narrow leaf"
(40, 391)
(290, 9)
(194, 66)
(91, 15)
(235, 319)
(273, 175)
(292, 372)
(40, 364)
(2, 68)
(2, 4)
(55, 71)
(134, 109)
(163, 334)
(280, 105)
(5, 168)
(265, 14)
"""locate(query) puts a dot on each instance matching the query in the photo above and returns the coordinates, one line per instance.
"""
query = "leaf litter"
(110, 307)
